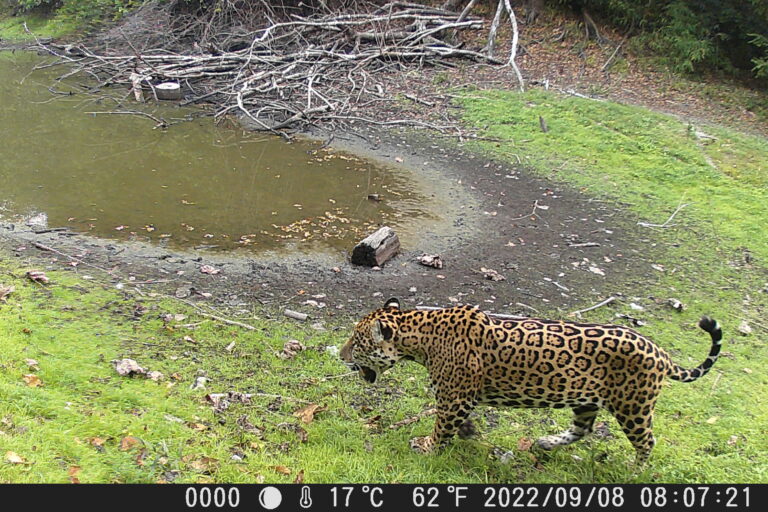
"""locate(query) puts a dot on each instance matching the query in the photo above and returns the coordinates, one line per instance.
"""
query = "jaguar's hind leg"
(639, 431)
(583, 419)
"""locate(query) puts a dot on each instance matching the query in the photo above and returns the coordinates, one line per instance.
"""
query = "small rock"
(491, 274)
(199, 382)
(412, 289)
(155, 375)
(431, 260)
(636, 307)
(128, 367)
(332, 350)
(744, 328)
(675, 304)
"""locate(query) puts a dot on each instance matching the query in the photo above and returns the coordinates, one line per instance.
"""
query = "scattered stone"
(128, 367)
(332, 350)
(412, 289)
(199, 382)
(431, 260)
(491, 274)
(155, 376)
(675, 304)
(636, 307)
(744, 328)
(208, 269)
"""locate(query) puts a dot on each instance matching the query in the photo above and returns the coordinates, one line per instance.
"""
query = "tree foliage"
(692, 35)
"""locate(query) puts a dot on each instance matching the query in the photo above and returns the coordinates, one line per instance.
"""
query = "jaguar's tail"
(677, 372)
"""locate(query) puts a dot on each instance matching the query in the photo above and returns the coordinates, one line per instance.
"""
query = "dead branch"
(607, 301)
(308, 66)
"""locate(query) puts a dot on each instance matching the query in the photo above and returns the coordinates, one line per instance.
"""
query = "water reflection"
(192, 185)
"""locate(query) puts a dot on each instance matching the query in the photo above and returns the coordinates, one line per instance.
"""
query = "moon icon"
(270, 498)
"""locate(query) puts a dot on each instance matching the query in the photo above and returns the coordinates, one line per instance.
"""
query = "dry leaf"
(32, 380)
(97, 443)
(208, 269)
(128, 443)
(203, 464)
(14, 458)
(72, 474)
(307, 413)
(140, 457)
(713, 419)
(33, 365)
(524, 444)
(5, 291)
(282, 470)
(290, 349)
(733, 440)
(38, 276)
(299, 477)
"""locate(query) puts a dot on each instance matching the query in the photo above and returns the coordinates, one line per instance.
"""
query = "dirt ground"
(570, 252)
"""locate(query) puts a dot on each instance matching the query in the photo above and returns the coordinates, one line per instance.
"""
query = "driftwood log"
(376, 248)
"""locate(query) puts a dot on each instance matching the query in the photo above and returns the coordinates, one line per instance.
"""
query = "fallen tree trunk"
(376, 248)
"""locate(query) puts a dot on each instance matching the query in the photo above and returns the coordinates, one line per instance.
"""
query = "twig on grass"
(666, 223)
(607, 301)
(413, 419)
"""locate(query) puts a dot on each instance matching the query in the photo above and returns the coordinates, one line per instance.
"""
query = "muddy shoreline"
(569, 252)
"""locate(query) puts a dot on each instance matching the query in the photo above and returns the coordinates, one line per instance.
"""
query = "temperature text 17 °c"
(346, 496)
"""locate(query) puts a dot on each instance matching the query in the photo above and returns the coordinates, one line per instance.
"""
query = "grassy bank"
(712, 255)
(68, 416)
(12, 27)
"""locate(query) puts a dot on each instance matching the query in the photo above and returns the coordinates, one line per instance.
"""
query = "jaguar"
(474, 359)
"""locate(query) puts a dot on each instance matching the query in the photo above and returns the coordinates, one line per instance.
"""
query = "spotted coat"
(474, 359)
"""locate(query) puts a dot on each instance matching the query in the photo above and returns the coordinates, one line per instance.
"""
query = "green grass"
(74, 327)
(653, 160)
(715, 254)
(712, 430)
(12, 27)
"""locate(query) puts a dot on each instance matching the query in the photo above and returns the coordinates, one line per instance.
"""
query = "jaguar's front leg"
(451, 415)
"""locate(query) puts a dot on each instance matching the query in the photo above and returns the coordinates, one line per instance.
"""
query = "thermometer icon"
(305, 501)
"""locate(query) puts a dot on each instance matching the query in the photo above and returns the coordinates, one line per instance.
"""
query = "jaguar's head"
(371, 349)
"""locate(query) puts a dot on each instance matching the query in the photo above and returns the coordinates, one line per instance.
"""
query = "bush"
(693, 35)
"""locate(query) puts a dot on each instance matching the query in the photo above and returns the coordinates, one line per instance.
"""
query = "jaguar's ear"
(382, 332)
(392, 303)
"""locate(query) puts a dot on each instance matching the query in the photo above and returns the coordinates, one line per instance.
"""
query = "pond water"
(194, 185)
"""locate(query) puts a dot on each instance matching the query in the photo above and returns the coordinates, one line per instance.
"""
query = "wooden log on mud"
(376, 248)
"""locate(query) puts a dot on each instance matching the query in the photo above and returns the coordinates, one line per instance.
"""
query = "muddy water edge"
(69, 161)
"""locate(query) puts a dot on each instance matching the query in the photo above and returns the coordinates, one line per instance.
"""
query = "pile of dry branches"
(302, 66)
